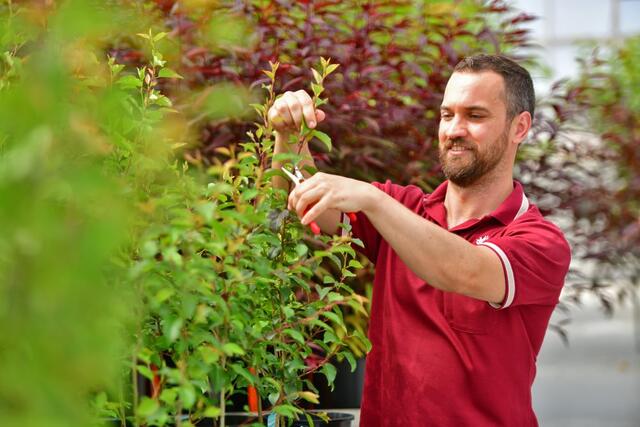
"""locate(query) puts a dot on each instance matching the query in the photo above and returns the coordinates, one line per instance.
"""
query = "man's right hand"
(287, 113)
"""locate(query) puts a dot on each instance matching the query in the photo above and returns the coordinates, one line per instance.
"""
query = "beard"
(465, 170)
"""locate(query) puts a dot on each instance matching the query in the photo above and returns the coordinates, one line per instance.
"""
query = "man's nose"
(455, 128)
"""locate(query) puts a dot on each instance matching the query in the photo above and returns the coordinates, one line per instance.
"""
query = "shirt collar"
(511, 208)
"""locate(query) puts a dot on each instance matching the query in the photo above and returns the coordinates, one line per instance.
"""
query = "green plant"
(231, 282)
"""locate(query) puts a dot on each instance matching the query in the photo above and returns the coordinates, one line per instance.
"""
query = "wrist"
(373, 199)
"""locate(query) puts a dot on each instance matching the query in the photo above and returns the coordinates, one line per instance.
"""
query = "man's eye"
(446, 115)
(476, 116)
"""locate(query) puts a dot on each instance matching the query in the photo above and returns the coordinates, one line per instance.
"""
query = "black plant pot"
(347, 392)
(336, 419)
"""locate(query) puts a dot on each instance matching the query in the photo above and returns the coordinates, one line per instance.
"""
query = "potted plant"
(233, 292)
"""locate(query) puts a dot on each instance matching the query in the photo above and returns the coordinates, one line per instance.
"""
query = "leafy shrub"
(231, 286)
(587, 164)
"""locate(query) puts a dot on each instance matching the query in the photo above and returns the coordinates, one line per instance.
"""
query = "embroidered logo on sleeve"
(481, 240)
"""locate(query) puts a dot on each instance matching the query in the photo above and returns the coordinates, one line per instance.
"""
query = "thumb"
(320, 115)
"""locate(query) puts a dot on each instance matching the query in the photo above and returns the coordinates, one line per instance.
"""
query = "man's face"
(473, 133)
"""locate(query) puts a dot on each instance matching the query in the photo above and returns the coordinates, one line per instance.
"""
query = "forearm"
(441, 258)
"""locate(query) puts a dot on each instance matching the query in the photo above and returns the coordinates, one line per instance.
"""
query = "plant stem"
(134, 382)
(122, 411)
(222, 407)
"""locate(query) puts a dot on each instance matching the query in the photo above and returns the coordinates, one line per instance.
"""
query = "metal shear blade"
(297, 178)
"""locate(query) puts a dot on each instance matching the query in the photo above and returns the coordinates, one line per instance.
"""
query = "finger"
(292, 200)
(294, 108)
(320, 115)
(305, 200)
(282, 119)
(315, 211)
(308, 111)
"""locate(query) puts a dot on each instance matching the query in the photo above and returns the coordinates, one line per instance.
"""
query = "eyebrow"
(470, 108)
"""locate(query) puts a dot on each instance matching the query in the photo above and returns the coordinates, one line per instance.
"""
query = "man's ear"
(520, 127)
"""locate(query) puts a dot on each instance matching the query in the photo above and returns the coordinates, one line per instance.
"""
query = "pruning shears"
(297, 178)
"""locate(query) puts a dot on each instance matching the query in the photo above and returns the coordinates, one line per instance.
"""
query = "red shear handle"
(313, 225)
(352, 216)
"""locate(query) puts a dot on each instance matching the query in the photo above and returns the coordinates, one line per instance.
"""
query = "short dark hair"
(519, 92)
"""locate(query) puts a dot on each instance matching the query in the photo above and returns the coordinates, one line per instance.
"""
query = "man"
(466, 277)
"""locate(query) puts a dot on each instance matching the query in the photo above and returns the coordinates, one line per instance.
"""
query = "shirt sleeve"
(535, 259)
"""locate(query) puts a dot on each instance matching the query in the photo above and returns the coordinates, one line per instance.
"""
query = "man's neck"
(477, 200)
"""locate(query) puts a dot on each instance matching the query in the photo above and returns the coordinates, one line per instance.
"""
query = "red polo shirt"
(444, 359)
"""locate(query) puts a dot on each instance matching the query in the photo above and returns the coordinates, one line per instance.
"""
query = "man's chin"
(460, 177)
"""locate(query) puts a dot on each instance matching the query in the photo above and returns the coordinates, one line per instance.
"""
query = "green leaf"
(147, 406)
(174, 330)
(287, 157)
(343, 249)
(163, 101)
(364, 340)
(163, 295)
(334, 318)
(145, 371)
(308, 396)
(212, 412)
(328, 279)
(157, 60)
(241, 370)
(187, 396)
(168, 73)
(301, 249)
(355, 263)
(351, 359)
(320, 323)
(319, 102)
(159, 36)
(331, 68)
(316, 76)
(317, 89)
(288, 312)
(273, 397)
(329, 371)
(129, 82)
(322, 292)
(169, 395)
(357, 242)
(324, 138)
(334, 296)
(231, 349)
(347, 273)
(296, 335)
(286, 410)
(249, 194)
(330, 337)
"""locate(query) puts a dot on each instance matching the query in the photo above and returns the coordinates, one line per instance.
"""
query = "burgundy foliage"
(589, 176)
(395, 59)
